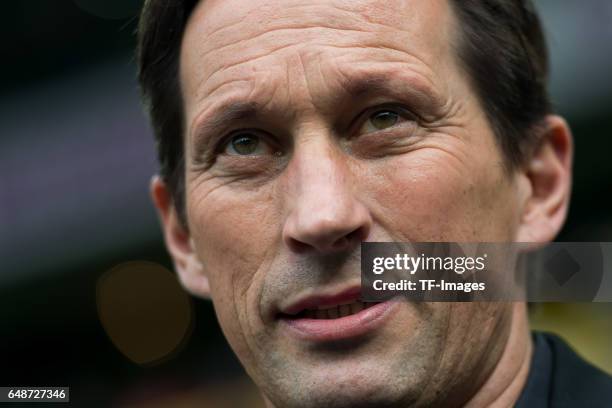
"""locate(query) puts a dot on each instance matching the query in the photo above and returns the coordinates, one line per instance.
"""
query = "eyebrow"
(367, 85)
(228, 112)
(422, 96)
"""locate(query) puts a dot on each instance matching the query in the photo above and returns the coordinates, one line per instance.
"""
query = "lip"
(326, 330)
(322, 300)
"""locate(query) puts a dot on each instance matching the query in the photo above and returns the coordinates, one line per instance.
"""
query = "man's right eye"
(244, 144)
(248, 143)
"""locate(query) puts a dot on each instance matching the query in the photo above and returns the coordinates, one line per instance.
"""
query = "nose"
(326, 214)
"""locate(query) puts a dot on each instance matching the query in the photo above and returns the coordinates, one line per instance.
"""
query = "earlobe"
(548, 172)
(178, 241)
(194, 279)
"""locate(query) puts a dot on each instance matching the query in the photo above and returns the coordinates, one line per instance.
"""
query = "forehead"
(228, 42)
(235, 19)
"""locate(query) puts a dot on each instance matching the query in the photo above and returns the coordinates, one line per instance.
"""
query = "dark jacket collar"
(559, 378)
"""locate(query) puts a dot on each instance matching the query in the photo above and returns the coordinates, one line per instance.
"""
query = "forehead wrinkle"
(369, 64)
(275, 18)
(288, 42)
(236, 64)
(280, 27)
(282, 30)
(376, 12)
(231, 88)
(286, 38)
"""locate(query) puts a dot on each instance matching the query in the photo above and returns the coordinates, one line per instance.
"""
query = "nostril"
(341, 244)
(349, 240)
(357, 235)
(297, 246)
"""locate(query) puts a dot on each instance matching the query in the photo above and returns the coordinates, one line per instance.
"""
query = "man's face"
(312, 126)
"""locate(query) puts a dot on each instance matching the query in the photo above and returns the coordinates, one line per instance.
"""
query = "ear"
(178, 241)
(548, 180)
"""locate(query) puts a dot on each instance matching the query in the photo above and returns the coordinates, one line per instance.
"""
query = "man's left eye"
(381, 120)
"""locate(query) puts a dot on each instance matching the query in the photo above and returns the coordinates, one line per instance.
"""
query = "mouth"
(334, 311)
(341, 316)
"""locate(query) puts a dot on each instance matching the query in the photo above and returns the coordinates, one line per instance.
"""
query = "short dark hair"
(503, 50)
(501, 47)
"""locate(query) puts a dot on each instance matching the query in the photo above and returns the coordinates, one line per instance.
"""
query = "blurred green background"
(76, 156)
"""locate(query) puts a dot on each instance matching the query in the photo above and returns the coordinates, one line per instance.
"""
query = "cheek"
(430, 196)
(235, 235)
(231, 227)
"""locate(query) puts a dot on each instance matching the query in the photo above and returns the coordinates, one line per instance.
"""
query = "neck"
(503, 387)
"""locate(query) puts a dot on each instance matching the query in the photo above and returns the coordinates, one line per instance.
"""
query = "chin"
(341, 385)
(347, 395)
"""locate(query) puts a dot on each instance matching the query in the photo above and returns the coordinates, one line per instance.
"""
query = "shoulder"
(574, 381)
